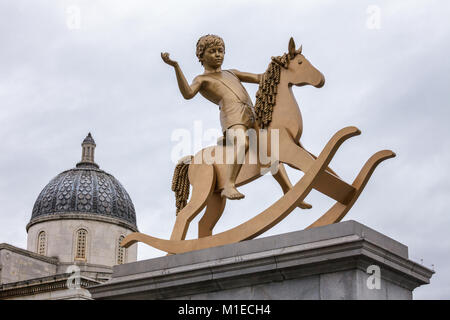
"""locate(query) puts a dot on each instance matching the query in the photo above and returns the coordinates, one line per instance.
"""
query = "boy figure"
(224, 88)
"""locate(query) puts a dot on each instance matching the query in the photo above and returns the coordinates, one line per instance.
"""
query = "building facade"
(74, 235)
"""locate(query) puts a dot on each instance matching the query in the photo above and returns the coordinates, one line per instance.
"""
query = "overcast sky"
(62, 77)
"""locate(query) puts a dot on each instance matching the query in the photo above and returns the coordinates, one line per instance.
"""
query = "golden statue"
(224, 88)
(275, 111)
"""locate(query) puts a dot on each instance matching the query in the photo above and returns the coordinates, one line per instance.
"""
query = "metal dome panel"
(85, 190)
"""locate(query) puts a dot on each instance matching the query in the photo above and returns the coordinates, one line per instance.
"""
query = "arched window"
(42, 243)
(80, 253)
(121, 251)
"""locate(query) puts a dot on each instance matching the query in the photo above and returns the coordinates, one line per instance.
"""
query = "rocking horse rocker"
(275, 109)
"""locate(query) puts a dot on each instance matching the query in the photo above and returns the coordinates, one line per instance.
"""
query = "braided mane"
(267, 91)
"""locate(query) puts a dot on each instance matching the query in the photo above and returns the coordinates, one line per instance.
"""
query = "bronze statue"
(224, 88)
(276, 110)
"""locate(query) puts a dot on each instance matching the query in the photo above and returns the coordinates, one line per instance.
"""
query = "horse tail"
(180, 182)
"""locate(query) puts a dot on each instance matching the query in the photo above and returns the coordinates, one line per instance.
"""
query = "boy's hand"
(166, 59)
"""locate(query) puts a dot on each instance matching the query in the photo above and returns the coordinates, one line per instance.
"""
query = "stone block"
(328, 262)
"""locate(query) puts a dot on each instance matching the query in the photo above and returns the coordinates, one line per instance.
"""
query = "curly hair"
(207, 41)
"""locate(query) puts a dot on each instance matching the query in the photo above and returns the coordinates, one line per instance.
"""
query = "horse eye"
(300, 61)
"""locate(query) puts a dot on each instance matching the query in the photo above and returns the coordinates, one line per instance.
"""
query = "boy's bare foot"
(232, 193)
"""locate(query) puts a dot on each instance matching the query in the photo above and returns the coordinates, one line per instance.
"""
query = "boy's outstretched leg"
(237, 145)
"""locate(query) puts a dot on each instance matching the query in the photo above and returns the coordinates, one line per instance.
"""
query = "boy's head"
(206, 42)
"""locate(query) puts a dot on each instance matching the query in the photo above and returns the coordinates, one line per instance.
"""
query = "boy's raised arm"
(247, 76)
(188, 91)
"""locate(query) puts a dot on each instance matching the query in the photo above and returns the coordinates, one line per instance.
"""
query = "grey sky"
(58, 83)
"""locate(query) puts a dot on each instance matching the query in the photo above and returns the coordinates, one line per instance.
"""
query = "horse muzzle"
(321, 82)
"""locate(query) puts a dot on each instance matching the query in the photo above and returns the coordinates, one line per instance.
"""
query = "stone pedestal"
(346, 260)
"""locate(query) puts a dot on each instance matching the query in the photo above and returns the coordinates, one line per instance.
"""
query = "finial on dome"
(89, 139)
(87, 155)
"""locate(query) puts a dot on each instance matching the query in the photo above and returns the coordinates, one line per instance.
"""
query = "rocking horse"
(276, 109)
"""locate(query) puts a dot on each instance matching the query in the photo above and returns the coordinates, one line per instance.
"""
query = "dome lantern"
(88, 151)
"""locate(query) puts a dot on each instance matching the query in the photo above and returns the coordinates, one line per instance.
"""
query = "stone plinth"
(328, 262)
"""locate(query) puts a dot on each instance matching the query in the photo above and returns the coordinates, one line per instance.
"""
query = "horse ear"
(299, 51)
(291, 48)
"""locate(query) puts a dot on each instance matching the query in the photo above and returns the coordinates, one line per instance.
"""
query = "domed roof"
(85, 190)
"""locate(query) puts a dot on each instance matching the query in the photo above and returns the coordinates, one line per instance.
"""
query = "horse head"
(298, 70)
